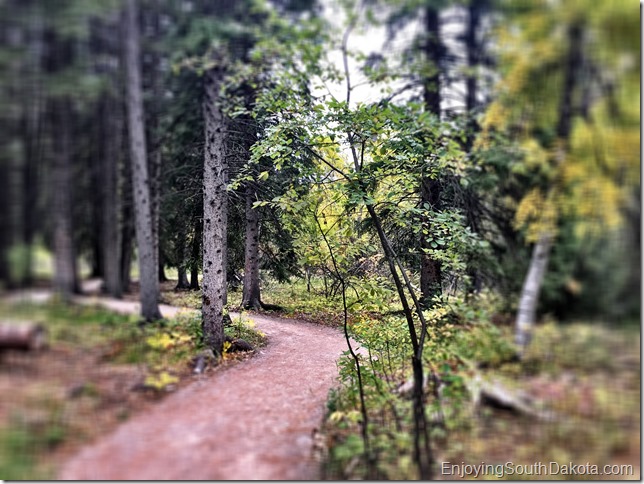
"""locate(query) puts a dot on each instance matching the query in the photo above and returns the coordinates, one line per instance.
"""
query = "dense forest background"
(440, 176)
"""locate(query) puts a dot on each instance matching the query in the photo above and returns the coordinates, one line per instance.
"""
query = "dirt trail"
(254, 420)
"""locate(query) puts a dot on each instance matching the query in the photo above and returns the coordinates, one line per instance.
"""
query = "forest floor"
(81, 409)
(256, 420)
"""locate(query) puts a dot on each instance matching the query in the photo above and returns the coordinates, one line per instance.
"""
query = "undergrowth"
(576, 371)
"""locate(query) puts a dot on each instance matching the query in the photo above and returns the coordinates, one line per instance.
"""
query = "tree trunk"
(251, 292)
(215, 214)
(423, 454)
(96, 194)
(65, 278)
(430, 191)
(161, 259)
(111, 235)
(127, 215)
(149, 283)
(182, 259)
(127, 237)
(30, 183)
(6, 228)
(430, 269)
(195, 256)
(151, 22)
(472, 47)
(127, 228)
(526, 313)
(182, 280)
(531, 289)
(33, 136)
(473, 52)
(155, 207)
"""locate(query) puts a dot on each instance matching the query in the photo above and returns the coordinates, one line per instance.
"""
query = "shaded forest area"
(453, 184)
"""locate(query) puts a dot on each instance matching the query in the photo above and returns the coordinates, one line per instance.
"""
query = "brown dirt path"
(254, 420)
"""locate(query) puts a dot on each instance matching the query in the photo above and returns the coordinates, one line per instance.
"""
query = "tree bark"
(473, 53)
(65, 276)
(430, 191)
(182, 259)
(251, 292)
(196, 255)
(111, 235)
(96, 192)
(527, 310)
(215, 214)
(127, 227)
(161, 261)
(33, 136)
(127, 215)
(149, 283)
(154, 79)
(155, 207)
(6, 227)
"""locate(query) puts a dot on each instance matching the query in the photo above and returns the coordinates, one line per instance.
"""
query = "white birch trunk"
(530, 291)
(541, 253)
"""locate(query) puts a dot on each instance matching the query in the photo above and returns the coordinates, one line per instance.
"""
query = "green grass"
(18, 449)
(243, 327)
(32, 431)
(293, 297)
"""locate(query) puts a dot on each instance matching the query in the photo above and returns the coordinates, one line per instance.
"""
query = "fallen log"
(23, 336)
(489, 394)
(496, 395)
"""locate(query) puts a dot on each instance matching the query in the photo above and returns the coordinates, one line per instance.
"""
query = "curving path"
(255, 420)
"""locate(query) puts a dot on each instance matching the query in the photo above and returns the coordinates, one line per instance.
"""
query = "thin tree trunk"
(251, 293)
(5, 225)
(33, 155)
(127, 225)
(182, 258)
(127, 203)
(472, 47)
(96, 196)
(33, 141)
(65, 278)
(111, 235)
(430, 191)
(423, 454)
(215, 214)
(151, 21)
(531, 289)
(195, 256)
(182, 280)
(526, 313)
(155, 207)
(161, 260)
(473, 52)
(149, 283)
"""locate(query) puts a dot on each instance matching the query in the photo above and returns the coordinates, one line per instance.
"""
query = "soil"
(255, 420)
